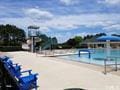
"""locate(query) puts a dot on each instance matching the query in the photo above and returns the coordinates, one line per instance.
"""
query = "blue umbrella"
(110, 38)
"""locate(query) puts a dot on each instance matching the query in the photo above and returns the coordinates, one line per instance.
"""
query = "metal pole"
(89, 55)
(79, 53)
(32, 44)
(51, 43)
(115, 64)
(105, 67)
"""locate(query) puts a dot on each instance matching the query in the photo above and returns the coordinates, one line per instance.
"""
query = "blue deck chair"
(7, 59)
(14, 69)
(4, 58)
(10, 63)
(26, 82)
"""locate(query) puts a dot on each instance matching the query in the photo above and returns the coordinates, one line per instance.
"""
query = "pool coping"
(95, 67)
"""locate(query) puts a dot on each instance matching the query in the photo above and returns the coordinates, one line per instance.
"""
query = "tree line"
(77, 41)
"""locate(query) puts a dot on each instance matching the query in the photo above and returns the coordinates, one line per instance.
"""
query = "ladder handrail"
(84, 50)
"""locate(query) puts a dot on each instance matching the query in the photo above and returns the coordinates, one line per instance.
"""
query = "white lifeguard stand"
(32, 30)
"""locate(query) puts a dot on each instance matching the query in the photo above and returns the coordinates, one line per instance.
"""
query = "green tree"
(11, 35)
(78, 39)
(73, 42)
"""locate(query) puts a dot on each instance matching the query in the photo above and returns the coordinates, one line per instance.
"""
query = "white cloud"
(115, 27)
(37, 13)
(69, 2)
(68, 22)
(62, 37)
(44, 29)
(110, 2)
(20, 22)
(88, 20)
(109, 22)
(84, 34)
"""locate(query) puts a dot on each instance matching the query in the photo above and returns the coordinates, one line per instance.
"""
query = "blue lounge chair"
(26, 82)
(7, 59)
(4, 58)
(14, 69)
(10, 65)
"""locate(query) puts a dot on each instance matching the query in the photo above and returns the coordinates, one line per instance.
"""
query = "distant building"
(115, 44)
(93, 43)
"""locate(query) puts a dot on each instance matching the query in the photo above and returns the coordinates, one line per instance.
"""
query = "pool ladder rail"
(108, 59)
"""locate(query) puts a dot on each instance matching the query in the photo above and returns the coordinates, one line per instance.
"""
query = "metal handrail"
(115, 63)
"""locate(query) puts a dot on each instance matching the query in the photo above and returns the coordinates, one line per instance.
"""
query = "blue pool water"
(97, 56)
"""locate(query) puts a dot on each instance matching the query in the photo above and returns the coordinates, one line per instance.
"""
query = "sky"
(63, 19)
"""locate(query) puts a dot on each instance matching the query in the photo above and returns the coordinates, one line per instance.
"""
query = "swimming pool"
(97, 56)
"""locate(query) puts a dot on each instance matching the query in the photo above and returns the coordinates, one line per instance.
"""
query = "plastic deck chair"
(4, 58)
(26, 82)
(14, 69)
(7, 59)
(9, 65)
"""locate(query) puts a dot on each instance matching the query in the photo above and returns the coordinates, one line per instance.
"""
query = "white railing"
(58, 52)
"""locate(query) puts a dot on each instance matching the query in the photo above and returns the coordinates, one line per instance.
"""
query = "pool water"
(97, 56)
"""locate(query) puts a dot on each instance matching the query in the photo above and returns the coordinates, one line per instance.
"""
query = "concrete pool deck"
(59, 74)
